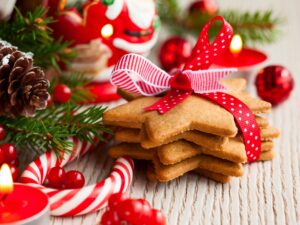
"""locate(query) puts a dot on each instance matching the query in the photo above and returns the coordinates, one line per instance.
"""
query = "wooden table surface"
(268, 193)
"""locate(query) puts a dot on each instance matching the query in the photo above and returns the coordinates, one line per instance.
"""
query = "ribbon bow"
(138, 75)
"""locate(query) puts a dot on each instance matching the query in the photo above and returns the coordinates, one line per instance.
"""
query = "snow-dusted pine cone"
(23, 88)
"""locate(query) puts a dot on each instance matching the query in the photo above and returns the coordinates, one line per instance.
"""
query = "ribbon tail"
(169, 101)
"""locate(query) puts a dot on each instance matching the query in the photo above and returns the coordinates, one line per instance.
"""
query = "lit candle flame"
(6, 180)
(107, 30)
(236, 44)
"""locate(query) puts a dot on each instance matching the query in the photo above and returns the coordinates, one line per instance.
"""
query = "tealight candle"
(245, 59)
(21, 204)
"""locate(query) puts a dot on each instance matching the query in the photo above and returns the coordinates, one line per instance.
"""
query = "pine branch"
(255, 27)
(31, 33)
(51, 128)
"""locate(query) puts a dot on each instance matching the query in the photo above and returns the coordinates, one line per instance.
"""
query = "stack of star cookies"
(196, 135)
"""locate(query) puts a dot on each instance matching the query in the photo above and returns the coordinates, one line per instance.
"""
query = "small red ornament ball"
(174, 53)
(62, 93)
(14, 172)
(2, 156)
(274, 84)
(204, 6)
(10, 152)
(74, 179)
(55, 178)
(2, 132)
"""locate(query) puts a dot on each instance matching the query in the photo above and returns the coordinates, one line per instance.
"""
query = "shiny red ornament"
(10, 152)
(62, 93)
(55, 177)
(204, 6)
(74, 179)
(174, 53)
(102, 92)
(274, 84)
(2, 132)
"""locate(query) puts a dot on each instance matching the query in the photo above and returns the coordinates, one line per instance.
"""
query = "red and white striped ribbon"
(137, 74)
(85, 200)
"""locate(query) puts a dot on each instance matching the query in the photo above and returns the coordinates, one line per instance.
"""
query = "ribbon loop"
(204, 52)
(138, 75)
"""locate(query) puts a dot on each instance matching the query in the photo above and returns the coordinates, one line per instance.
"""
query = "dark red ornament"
(62, 93)
(174, 53)
(55, 177)
(2, 132)
(14, 172)
(10, 152)
(74, 179)
(204, 6)
(2, 156)
(274, 84)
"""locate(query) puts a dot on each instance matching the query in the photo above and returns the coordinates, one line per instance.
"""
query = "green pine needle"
(31, 33)
(260, 27)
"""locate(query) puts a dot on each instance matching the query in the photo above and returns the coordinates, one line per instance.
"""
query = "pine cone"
(23, 88)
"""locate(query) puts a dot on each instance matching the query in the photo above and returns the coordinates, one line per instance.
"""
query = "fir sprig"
(31, 33)
(51, 128)
(255, 27)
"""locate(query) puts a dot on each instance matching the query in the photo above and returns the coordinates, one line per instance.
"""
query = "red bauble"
(14, 172)
(2, 156)
(62, 93)
(55, 177)
(204, 6)
(10, 152)
(2, 132)
(74, 179)
(274, 84)
(174, 53)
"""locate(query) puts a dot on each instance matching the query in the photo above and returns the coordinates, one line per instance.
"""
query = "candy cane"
(85, 200)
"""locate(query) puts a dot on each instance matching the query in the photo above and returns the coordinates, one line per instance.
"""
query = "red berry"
(146, 212)
(110, 218)
(62, 93)
(2, 156)
(14, 172)
(130, 210)
(49, 101)
(56, 176)
(115, 199)
(157, 218)
(2, 132)
(74, 179)
(10, 152)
